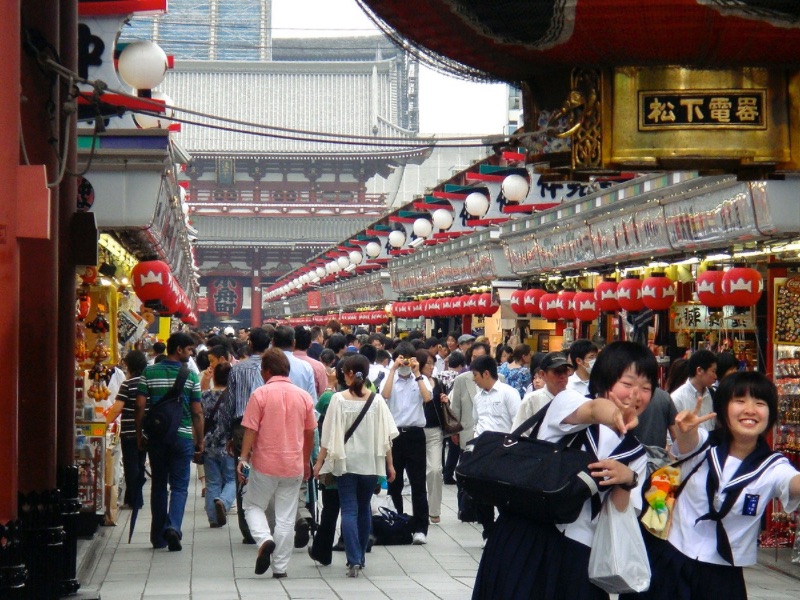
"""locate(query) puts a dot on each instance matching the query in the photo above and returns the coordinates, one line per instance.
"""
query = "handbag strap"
(213, 412)
(174, 392)
(349, 433)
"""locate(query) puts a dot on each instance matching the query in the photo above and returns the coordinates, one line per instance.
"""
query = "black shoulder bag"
(161, 423)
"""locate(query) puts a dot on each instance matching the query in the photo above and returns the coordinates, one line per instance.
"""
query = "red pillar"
(38, 307)
(255, 302)
(9, 253)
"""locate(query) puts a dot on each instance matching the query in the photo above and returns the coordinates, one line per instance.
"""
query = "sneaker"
(352, 571)
(302, 534)
(278, 575)
(173, 540)
(436, 520)
(339, 545)
(222, 517)
(264, 555)
(419, 538)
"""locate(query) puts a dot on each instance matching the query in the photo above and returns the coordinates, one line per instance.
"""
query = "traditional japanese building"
(265, 199)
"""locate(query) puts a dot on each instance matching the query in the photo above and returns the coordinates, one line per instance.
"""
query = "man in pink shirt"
(279, 435)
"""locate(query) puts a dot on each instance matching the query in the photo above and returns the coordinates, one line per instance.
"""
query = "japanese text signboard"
(702, 109)
(697, 317)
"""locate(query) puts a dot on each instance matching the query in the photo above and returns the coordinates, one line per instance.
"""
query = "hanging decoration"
(225, 294)
(742, 286)
(518, 302)
(629, 294)
(658, 292)
(586, 306)
(566, 305)
(548, 305)
(531, 301)
(606, 295)
(709, 287)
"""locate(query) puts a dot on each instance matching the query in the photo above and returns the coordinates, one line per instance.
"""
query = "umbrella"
(138, 502)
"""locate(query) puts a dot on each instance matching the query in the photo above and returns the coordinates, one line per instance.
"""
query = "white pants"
(433, 469)
(260, 490)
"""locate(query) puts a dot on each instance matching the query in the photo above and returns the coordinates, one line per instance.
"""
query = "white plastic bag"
(618, 561)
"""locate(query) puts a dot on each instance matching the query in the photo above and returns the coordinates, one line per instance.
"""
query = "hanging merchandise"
(81, 352)
(658, 292)
(99, 324)
(83, 304)
(629, 294)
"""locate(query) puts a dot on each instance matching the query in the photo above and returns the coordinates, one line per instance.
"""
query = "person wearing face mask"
(406, 390)
(555, 371)
(582, 354)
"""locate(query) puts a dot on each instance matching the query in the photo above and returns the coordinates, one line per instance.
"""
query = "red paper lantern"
(457, 306)
(658, 292)
(742, 286)
(413, 309)
(518, 302)
(606, 295)
(586, 306)
(471, 305)
(548, 305)
(566, 305)
(447, 307)
(531, 301)
(709, 288)
(629, 294)
(485, 306)
(151, 280)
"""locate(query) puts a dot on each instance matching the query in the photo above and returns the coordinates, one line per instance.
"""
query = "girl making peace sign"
(718, 513)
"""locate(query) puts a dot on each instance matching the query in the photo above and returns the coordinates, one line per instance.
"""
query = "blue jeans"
(170, 464)
(355, 492)
(220, 483)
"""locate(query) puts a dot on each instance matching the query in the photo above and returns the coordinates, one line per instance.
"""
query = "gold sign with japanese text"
(697, 317)
(702, 109)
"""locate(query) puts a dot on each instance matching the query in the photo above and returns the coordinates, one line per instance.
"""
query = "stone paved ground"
(215, 565)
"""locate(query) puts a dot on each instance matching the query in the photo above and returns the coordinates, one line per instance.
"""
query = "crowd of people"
(259, 409)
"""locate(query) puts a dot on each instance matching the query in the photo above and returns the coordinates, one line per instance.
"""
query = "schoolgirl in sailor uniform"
(528, 560)
(717, 515)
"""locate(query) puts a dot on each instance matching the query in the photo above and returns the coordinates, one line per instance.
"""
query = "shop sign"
(702, 109)
(314, 299)
(202, 304)
(787, 311)
(698, 317)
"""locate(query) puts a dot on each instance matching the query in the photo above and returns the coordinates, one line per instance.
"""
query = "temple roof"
(259, 231)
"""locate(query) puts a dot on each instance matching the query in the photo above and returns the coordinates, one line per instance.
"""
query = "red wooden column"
(255, 302)
(9, 254)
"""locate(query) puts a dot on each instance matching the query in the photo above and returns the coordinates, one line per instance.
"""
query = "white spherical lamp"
(397, 238)
(422, 227)
(373, 249)
(355, 257)
(442, 218)
(333, 267)
(142, 65)
(343, 262)
(515, 188)
(156, 121)
(321, 271)
(476, 204)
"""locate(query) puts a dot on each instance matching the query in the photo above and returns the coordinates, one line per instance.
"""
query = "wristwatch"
(632, 485)
(420, 378)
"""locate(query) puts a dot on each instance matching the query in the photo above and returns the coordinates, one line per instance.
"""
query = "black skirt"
(524, 560)
(675, 576)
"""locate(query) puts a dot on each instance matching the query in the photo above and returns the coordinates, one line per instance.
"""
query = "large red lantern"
(151, 281)
(658, 292)
(414, 309)
(457, 306)
(629, 294)
(742, 286)
(709, 288)
(226, 295)
(566, 305)
(548, 304)
(531, 301)
(606, 295)
(486, 307)
(471, 305)
(446, 306)
(586, 306)
(518, 302)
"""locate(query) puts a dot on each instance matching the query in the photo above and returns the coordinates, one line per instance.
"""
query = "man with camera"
(405, 391)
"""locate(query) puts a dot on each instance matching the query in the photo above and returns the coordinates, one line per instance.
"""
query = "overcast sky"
(447, 104)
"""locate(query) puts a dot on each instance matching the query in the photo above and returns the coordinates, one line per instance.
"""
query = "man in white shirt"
(582, 354)
(493, 409)
(434, 345)
(702, 373)
(555, 371)
(405, 390)
(463, 393)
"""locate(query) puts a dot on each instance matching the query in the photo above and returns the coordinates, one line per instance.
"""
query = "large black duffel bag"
(544, 481)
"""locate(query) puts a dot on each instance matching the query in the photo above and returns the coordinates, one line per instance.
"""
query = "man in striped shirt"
(244, 379)
(170, 460)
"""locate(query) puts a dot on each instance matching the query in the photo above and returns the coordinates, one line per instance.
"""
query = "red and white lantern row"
(709, 288)
(153, 283)
(586, 306)
(566, 305)
(518, 302)
(548, 306)
(742, 286)
(629, 294)
(531, 301)
(606, 295)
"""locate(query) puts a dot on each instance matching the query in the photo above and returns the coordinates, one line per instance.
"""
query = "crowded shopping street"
(358, 299)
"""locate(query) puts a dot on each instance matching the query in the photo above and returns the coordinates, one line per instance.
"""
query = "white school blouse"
(699, 540)
(553, 429)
